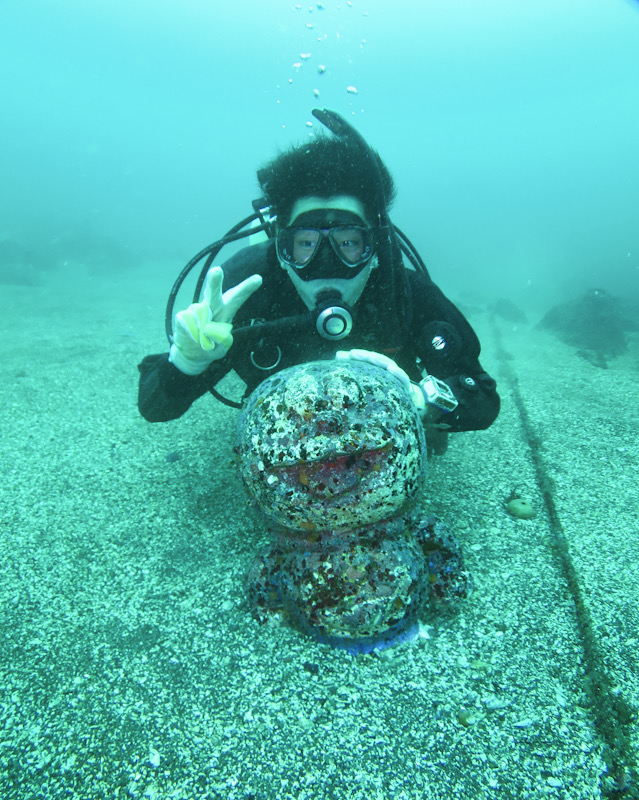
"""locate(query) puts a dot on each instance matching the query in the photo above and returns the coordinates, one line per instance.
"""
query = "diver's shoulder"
(420, 281)
(255, 259)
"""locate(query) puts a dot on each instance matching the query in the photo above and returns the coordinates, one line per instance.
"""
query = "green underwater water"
(130, 665)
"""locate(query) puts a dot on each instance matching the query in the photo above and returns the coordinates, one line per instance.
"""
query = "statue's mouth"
(332, 476)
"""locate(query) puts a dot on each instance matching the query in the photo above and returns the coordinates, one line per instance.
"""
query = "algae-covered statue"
(334, 454)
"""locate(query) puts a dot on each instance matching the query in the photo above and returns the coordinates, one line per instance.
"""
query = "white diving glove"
(202, 332)
(430, 395)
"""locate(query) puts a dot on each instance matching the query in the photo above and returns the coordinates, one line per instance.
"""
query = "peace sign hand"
(202, 332)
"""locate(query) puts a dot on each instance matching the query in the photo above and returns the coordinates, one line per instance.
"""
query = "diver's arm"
(477, 400)
(165, 393)
(432, 397)
(454, 358)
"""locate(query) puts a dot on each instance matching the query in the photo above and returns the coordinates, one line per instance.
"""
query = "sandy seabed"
(130, 665)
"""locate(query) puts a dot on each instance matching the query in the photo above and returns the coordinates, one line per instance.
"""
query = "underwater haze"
(512, 129)
(134, 567)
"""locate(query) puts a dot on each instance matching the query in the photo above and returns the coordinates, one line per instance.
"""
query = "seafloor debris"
(596, 324)
(520, 508)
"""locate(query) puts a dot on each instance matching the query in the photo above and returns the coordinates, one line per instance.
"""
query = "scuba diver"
(328, 278)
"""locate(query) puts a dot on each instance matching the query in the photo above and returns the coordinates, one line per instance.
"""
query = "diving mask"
(297, 246)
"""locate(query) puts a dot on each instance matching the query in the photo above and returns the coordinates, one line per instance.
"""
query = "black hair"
(323, 167)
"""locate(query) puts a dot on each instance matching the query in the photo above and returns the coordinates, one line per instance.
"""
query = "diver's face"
(327, 248)
(326, 243)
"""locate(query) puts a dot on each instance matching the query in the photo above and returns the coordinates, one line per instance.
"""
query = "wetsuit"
(437, 334)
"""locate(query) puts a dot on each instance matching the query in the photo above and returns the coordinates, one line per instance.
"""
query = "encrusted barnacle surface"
(334, 454)
(331, 445)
